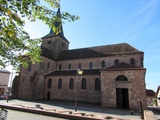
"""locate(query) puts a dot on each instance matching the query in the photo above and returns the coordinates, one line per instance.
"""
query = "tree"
(14, 39)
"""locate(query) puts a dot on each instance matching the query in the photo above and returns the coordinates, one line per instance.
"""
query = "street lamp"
(79, 72)
(7, 96)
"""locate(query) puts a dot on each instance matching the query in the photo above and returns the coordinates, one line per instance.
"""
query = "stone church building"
(113, 75)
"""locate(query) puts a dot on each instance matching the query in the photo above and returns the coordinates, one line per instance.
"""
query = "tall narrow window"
(132, 61)
(103, 65)
(23, 78)
(69, 66)
(79, 66)
(71, 83)
(116, 61)
(83, 83)
(97, 84)
(29, 66)
(90, 65)
(49, 84)
(48, 65)
(60, 83)
(60, 66)
(49, 41)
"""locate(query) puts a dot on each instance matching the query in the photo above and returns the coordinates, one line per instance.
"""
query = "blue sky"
(103, 22)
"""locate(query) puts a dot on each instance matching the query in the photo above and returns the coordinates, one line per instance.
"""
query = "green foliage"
(14, 40)
(155, 101)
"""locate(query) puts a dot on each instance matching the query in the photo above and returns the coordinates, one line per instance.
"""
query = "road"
(17, 115)
(156, 111)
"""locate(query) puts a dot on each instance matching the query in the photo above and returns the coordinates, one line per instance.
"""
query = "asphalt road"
(156, 111)
(17, 115)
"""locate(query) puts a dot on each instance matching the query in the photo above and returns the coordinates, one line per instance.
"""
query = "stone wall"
(84, 95)
(109, 61)
(135, 85)
(31, 84)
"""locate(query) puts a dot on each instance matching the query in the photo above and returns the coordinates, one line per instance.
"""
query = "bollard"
(141, 110)
(132, 112)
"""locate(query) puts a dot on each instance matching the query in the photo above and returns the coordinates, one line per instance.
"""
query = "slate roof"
(99, 51)
(4, 71)
(150, 93)
(73, 72)
(57, 24)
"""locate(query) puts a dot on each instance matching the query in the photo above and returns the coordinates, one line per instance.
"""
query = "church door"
(48, 95)
(122, 98)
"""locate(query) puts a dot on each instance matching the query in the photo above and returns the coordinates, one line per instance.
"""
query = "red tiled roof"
(150, 93)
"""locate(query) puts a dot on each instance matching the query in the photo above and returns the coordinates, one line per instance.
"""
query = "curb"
(60, 114)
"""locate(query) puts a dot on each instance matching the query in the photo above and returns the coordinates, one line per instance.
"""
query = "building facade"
(158, 96)
(113, 75)
(4, 80)
(150, 97)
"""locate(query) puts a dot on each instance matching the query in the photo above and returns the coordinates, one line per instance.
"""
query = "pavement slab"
(66, 109)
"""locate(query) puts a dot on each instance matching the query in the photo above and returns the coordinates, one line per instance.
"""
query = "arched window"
(29, 66)
(60, 66)
(116, 61)
(121, 78)
(71, 83)
(49, 84)
(90, 65)
(60, 83)
(97, 84)
(83, 86)
(79, 66)
(69, 66)
(103, 65)
(132, 61)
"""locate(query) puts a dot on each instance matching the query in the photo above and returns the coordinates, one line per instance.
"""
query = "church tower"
(55, 43)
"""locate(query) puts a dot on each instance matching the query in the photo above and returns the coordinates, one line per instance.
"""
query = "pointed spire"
(57, 24)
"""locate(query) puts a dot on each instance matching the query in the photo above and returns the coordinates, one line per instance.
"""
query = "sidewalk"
(88, 110)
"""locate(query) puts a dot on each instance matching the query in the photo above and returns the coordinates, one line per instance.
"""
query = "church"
(112, 75)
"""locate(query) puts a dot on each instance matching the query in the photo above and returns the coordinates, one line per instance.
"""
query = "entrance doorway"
(48, 95)
(122, 98)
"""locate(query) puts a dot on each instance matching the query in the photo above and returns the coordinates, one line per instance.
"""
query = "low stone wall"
(149, 115)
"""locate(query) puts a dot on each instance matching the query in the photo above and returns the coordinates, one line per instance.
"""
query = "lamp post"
(79, 72)
(7, 97)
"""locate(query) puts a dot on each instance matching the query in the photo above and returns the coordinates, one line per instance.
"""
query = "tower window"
(63, 44)
(132, 61)
(49, 41)
(103, 65)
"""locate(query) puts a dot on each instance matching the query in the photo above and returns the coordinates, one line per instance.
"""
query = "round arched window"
(121, 78)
